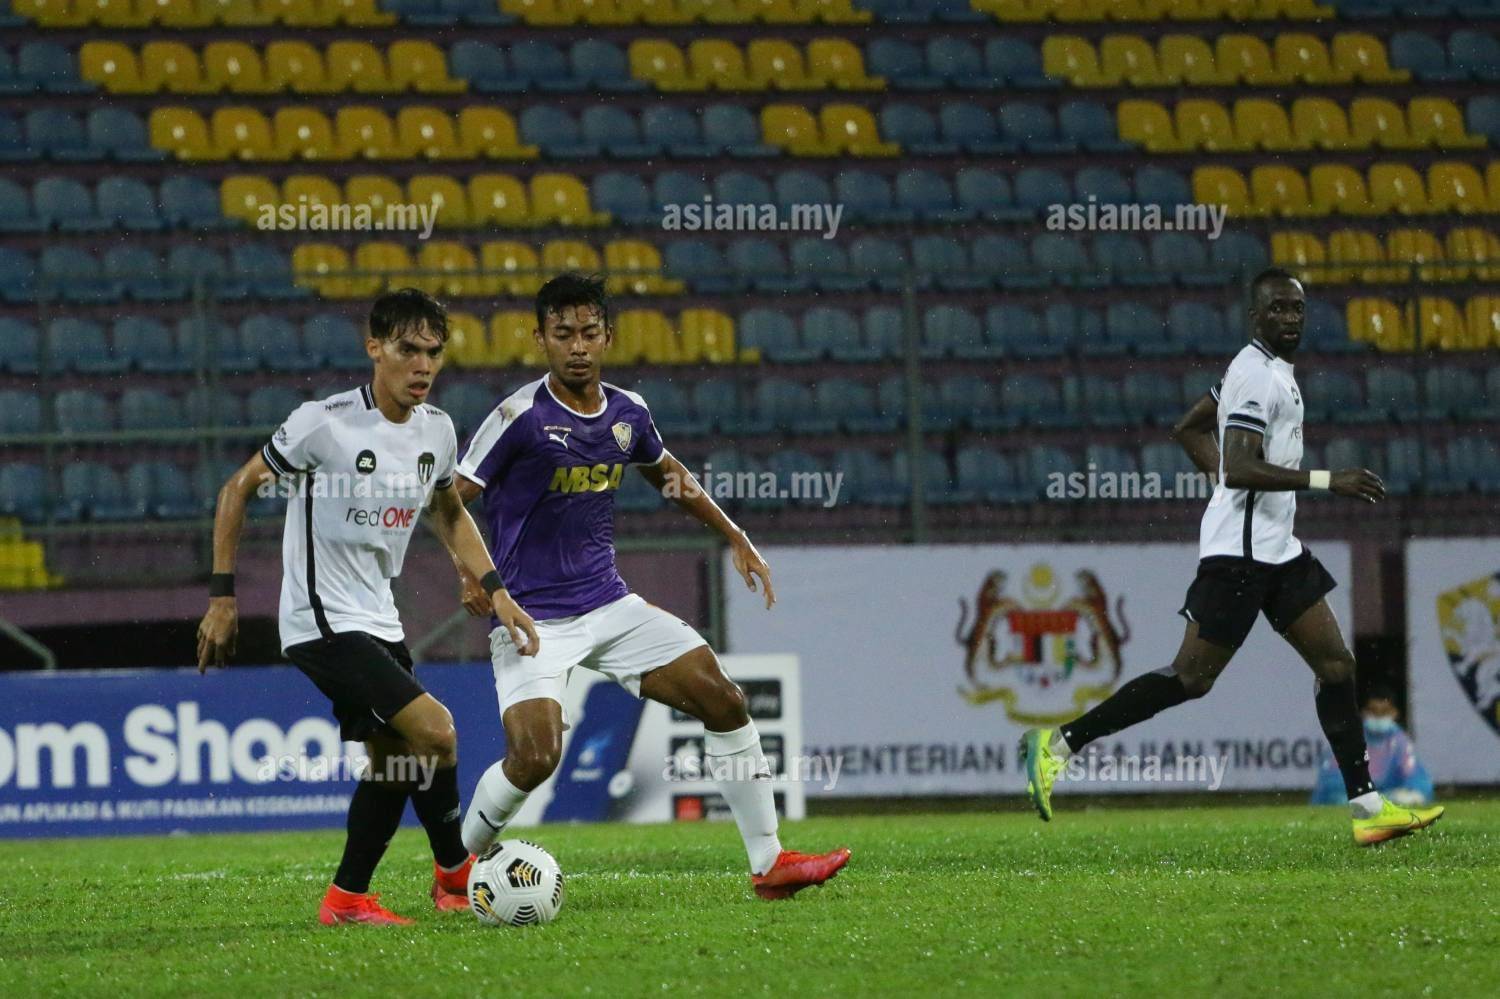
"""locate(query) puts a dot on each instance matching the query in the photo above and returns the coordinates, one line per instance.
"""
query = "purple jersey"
(549, 475)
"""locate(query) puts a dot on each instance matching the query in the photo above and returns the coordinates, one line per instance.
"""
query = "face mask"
(1380, 726)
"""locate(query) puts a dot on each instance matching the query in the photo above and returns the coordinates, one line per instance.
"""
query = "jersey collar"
(1271, 355)
(368, 395)
(547, 384)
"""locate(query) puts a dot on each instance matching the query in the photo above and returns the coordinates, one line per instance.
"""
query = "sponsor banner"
(924, 664)
(256, 748)
(1453, 655)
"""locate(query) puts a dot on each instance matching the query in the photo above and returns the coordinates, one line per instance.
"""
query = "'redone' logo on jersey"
(587, 478)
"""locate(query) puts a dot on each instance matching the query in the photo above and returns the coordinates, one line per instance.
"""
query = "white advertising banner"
(1453, 652)
(922, 666)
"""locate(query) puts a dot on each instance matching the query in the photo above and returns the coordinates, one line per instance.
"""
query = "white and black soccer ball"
(515, 883)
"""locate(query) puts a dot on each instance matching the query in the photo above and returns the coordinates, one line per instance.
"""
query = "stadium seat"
(51, 67)
(885, 262)
(602, 65)
(428, 133)
(733, 130)
(1033, 128)
(542, 65)
(1364, 57)
(836, 64)
(20, 413)
(675, 129)
(76, 276)
(1089, 124)
(975, 129)
(867, 197)
(914, 130)
(58, 135)
(80, 411)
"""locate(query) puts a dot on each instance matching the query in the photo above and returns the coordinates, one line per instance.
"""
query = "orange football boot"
(341, 906)
(795, 871)
(450, 889)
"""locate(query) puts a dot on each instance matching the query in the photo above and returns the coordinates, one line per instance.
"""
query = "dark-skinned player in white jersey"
(365, 464)
(1251, 563)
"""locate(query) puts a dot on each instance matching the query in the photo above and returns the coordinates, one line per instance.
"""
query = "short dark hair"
(399, 312)
(1378, 692)
(571, 289)
(1266, 277)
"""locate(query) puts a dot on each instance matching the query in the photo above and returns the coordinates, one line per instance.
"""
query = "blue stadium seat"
(884, 331)
(868, 480)
(1124, 259)
(1018, 63)
(1482, 117)
(478, 13)
(218, 342)
(1064, 259)
(1451, 394)
(127, 203)
(1116, 462)
(676, 130)
(149, 409)
(1136, 326)
(1401, 469)
(57, 135)
(14, 145)
(65, 204)
(832, 333)
(1006, 262)
(543, 65)
(760, 261)
(1044, 466)
(485, 66)
(1035, 401)
(82, 411)
(1091, 126)
(867, 197)
(1392, 394)
(1185, 258)
(1038, 188)
(1014, 330)
(885, 261)
(121, 135)
(139, 274)
(1198, 381)
(555, 131)
(1324, 328)
(902, 64)
(1095, 400)
(76, 276)
(1334, 396)
(15, 209)
(958, 64)
(801, 187)
(11, 82)
(929, 196)
(732, 130)
(602, 65)
(1079, 328)
(774, 334)
(914, 129)
(1192, 326)
(975, 130)
(1346, 452)
(937, 480)
(611, 128)
(468, 402)
(717, 403)
(206, 406)
(788, 406)
(191, 203)
(848, 403)
(625, 196)
(678, 187)
(1151, 397)
(23, 492)
(947, 262)
(701, 265)
(799, 475)
(825, 265)
(51, 67)
(148, 346)
(946, 329)
(1476, 54)
(23, 353)
(1034, 128)
(1156, 185)
(277, 344)
(265, 270)
(636, 495)
(1105, 185)
(1424, 56)
(20, 412)
(162, 489)
(191, 266)
(421, 13)
(335, 339)
(1169, 463)
(18, 276)
(671, 408)
(987, 475)
(1239, 254)
(970, 402)
(988, 195)
(737, 187)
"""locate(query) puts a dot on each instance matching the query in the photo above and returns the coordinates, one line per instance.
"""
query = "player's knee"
(437, 742)
(1196, 685)
(724, 708)
(528, 765)
(1337, 669)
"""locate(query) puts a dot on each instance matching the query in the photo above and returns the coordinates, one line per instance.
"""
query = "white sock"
(1366, 806)
(495, 803)
(737, 756)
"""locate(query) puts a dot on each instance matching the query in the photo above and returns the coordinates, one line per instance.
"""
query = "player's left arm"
(451, 522)
(1196, 433)
(673, 480)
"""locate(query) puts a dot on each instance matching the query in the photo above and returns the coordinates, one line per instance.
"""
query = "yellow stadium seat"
(301, 13)
(1205, 125)
(246, 197)
(112, 66)
(448, 269)
(633, 328)
(468, 342)
(715, 11)
(1293, 10)
(1421, 249)
(513, 339)
(304, 133)
(361, 14)
(1356, 255)
(1301, 253)
(183, 133)
(298, 67)
(239, 13)
(774, 63)
(1456, 187)
(490, 133)
(120, 13)
(663, 13)
(1338, 190)
(366, 133)
(244, 133)
(1149, 125)
(1223, 186)
(608, 13)
(427, 133)
(445, 192)
(563, 199)
(1279, 190)
(1187, 59)
(837, 64)
(1363, 57)
(357, 66)
(1129, 59)
(793, 128)
(1470, 245)
(182, 14)
(513, 268)
(1492, 181)
(773, 12)
(542, 13)
(1246, 59)
(1262, 124)
(831, 12)
(1377, 123)
(1139, 11)
(1071, 58)
(849, 128)
(1304, 58)
(235, 67)
(1436, 324)
(635, 269)
(383, 265)
(375, 191)
(53, 13)
(498, 199)
(324, 268)
(1397, 187)
(570, 255)
(717, 65)
(1378, 322)
(1482, 317)
(1437, 122)
(1321, 123)
(422, 66)
(661, 64)
(311, 190)
(713, 333)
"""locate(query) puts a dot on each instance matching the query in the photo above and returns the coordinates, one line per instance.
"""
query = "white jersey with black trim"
(357, 484)
(1258, 394)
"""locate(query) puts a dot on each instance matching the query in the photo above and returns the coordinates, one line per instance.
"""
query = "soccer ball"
(515, 883)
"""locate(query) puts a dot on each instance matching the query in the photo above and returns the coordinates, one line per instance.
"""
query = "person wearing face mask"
(1397, 772)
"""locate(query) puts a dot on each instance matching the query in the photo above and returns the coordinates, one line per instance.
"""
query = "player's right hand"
(218, 633)
(1358, 482)
(471, 594)
(518, 623)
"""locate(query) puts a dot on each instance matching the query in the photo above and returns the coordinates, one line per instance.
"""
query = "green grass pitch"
(1110, 900)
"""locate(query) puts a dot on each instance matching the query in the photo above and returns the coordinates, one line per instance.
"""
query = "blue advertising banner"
(155, 751)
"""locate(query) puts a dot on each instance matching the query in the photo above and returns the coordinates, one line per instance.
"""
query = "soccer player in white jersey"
(548, 461)
(1251, 563)
(365, 464)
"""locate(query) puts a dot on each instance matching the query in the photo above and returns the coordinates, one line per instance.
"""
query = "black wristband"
(492, 582)
(221, 584)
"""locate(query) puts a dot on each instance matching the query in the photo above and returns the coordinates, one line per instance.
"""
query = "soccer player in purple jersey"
(548, 461)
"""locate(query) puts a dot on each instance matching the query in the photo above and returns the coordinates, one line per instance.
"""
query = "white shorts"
(624, 640)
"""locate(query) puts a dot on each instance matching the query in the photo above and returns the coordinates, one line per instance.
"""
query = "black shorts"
(1229, 592)
(367, 679)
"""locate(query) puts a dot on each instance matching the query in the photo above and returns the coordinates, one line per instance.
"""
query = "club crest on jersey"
(364, 464)
(622, 436)
(425, 464)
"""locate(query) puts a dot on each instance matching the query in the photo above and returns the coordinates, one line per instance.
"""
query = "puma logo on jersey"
(559, 434)
(586, 478)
